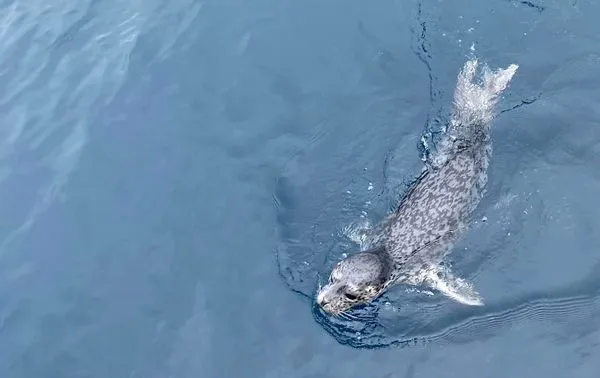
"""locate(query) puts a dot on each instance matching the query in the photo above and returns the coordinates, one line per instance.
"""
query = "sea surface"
(176, 178)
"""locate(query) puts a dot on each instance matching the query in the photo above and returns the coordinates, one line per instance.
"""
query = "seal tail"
(474, 107)
(474, 104)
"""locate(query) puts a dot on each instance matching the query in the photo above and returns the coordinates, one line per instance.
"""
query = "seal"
(410, 244)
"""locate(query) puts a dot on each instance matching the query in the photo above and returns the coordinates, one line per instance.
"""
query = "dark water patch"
(530, 4)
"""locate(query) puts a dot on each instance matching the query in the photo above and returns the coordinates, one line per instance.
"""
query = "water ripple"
(61, 62)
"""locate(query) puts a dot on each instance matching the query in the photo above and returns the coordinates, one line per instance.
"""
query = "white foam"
(358, 232)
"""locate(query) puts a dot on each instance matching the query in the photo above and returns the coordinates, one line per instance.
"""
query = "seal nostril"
(321, 299)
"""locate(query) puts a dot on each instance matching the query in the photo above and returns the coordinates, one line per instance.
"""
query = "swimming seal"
(410, 244)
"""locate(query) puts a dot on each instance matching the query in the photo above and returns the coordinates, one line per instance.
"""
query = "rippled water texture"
(176, 178)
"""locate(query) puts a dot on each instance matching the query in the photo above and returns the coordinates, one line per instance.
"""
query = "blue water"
(175, 176)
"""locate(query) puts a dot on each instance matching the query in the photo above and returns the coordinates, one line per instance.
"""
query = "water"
(174, 176)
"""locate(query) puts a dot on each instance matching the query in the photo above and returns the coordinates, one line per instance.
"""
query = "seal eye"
(351, 297)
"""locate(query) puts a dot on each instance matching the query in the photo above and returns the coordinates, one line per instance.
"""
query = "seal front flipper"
(456, 288)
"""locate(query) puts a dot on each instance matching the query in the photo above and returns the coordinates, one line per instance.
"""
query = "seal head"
(355, 280)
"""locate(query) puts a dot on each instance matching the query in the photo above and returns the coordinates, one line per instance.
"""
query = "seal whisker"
(347, 315)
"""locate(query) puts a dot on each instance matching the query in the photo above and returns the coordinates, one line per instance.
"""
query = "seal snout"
(321, 299)
(326, 298)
